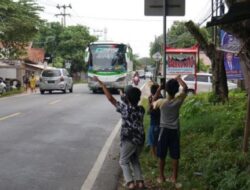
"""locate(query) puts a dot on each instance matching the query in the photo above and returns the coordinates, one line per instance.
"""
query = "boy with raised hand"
(132, 134)
(169, 137)
(154, 127)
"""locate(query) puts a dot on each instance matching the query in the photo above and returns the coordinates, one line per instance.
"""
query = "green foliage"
(202, 67)
(58, 62)
(12, 92)
(138, 63)
(66, 44)
(214, 134)
(207, 33)
(211, 145)
(178, 36)
(156, 46)
(213, 98)
(147, 61)
(48, 37)
(19, 24)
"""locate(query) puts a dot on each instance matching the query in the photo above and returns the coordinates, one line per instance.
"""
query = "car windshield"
(51, 73)
(107, 57)
(189, 78)
(200, 78)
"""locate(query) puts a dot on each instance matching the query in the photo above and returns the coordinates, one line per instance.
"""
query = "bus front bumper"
(111, 85)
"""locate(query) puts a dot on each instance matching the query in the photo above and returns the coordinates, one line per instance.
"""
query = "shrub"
(211, 145)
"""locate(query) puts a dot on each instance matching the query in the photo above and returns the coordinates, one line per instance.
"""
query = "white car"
(141, 74)
(204, 82)
(148, 74)
(55, 79)
(2, 87)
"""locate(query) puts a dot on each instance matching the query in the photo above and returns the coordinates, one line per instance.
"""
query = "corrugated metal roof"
(42, 67)
(4, 65)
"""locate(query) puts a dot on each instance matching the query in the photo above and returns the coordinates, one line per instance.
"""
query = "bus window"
(108, 57)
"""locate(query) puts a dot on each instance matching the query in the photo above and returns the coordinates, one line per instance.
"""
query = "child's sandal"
(130, 185)
(140, 184)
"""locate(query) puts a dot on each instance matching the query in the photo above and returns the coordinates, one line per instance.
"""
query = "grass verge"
(211, 146)
(12, 92)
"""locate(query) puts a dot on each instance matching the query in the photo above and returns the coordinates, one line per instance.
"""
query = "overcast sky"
(123, 20)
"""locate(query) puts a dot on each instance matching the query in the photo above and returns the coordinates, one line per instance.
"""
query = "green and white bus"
(111, 63)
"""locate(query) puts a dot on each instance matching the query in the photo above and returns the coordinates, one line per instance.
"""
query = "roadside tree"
(236, 22)
(19, 24)
(220, 88)
(64, 44)
(72, 43)
(48, 38)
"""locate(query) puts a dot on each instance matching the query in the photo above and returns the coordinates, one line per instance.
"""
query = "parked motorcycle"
(2, 87)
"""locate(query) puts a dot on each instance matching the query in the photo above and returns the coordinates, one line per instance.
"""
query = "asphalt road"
(52, 141)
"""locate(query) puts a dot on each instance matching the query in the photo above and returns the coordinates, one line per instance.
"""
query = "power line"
(219, 6)
(206, 10)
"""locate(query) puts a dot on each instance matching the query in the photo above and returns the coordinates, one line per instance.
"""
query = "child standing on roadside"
(132, 134)
(154, 128)
(169, 137)
(33, 83)
(26, 82)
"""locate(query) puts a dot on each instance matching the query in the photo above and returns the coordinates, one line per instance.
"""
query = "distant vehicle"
(55, 79)
(2, 87)
(204, 83)
(142, 74)
(136, 80)
(111, 62)
(148, 74)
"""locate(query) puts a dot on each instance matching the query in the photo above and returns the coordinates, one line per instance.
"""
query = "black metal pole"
(165, 43)
(216, 28)
(212, 7)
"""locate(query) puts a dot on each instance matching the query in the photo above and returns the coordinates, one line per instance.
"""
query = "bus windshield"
(107, 57)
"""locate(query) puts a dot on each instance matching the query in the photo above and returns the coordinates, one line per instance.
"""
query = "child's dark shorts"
(169, 140)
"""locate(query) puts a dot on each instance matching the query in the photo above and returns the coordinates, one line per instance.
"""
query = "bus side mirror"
(86, 57)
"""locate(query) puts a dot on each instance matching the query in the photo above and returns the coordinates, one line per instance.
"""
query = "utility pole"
(216, 28)
(63, 14)
(214, 14)
(217, 10)
(165, 13)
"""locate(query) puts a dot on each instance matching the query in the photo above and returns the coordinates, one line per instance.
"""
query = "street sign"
(157, 56)
(45, 64)
(67, 65)
(155, 7)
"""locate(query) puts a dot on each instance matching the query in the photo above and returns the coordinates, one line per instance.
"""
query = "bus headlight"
(121, 79)
(90, 79)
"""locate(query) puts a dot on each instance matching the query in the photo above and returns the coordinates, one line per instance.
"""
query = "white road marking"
(9, 116)
(54, 102)
(143, 85)
(89, 182)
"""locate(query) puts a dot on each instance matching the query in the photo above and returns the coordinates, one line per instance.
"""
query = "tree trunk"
(241, 30)
(245, 61)
(220, 88)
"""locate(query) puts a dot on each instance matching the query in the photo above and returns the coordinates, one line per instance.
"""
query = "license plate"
(51, 81)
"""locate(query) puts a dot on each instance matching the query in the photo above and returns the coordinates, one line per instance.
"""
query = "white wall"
(8, 73)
